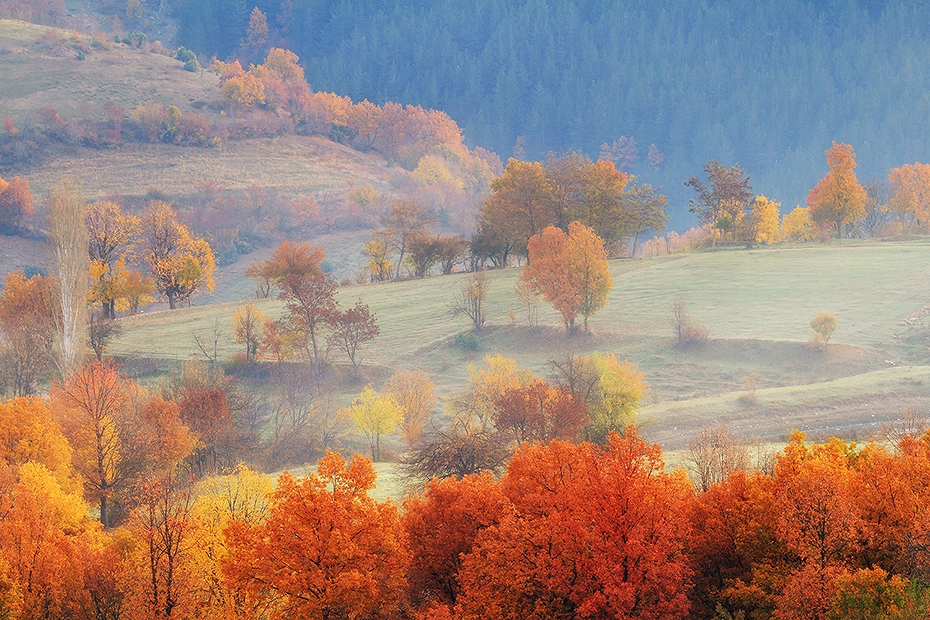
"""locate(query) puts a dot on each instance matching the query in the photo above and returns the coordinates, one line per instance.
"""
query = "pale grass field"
(757, 305)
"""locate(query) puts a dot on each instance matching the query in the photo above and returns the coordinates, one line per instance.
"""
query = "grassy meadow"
(755, 303)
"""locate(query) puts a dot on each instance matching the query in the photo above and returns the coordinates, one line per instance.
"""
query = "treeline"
(822, 531)
(767, 84)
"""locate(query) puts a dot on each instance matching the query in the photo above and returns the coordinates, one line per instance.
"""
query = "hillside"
(766, 84)
(756, 304)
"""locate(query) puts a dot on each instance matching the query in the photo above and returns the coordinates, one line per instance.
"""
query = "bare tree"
(469, 298)
(101, 332)
(211, 350)
(69, 236)
(714, 454)
(906, 423)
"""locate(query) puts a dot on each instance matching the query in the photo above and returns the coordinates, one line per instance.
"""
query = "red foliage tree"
(540, 412)
(592, 532)
(311, 304)
(441, 526)
(352, 329)
(327, 550)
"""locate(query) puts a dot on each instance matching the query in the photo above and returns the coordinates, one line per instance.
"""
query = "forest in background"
(767, 84)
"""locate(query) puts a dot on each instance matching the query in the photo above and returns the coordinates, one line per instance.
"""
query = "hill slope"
(757, 305)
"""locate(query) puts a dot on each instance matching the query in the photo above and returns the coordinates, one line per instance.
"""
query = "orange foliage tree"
(288, 258)
(326, 550)
(590, 532)
(111, 239)
(16, 203)
(540, 412)
(570, 271)
(838, 200)
(910, 193)
(92, 399)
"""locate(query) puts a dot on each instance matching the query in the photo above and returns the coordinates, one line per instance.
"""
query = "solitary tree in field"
(469, 298)
(824, 324)
(570, 271)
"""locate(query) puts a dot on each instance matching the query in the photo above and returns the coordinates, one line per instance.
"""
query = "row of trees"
(829, 531)
(838, 206)
(529, 196)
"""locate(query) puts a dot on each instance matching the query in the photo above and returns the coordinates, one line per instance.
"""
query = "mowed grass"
(756, 304)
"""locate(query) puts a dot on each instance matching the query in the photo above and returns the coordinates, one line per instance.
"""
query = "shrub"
(467, 341)
(191, 65)
(185, 55)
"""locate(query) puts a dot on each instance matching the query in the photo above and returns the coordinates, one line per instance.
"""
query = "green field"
(755, 303)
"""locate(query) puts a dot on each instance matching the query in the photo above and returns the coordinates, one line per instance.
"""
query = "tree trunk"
(172, 302)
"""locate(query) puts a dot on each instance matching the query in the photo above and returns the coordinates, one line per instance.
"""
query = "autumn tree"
(402, 223)
(910, 194)
(354, 328)
(817, 520)
(311, 305)
(590, 531)
(441, 526)
(570, 271)
(326, 549)
(247, 325)
(763, 221)
(28, 309)
(414, 392)
(520, 204)
(180, 263)
(16, 204)
(724, 199)
(797, 225)
(92, 399)
(379, 264)
(824, 324)
(288, 258)
(450, 251)
(838, 200)
(70, 240)
(241, 496)
(540, 412)
(375, 415)
(468, 299)
(111, 238)
(611, 390)
(161, 528)
(645, 209)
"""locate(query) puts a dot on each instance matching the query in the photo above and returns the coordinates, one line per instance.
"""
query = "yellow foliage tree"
(375, 415)
(243, 497)
(619, 389)
(379, 265)
(244, 90)
(824, 324)
(247, 325)
(180, 263)
(765, 220)
(797, 225)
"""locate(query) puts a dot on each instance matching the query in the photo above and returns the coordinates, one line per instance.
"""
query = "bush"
(228, 256)
(185, 55)
(467, 341)
(191, 65)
